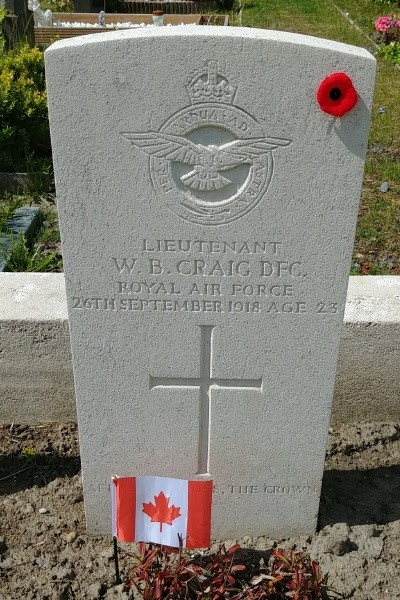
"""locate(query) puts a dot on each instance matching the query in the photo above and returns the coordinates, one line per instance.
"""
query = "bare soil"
(46, 555)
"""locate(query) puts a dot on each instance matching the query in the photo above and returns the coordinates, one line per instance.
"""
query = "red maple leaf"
(160, 512)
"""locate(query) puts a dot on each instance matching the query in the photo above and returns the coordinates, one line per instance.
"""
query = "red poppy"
(336, 94)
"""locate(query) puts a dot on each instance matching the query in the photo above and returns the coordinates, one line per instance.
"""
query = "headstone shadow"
(356, 497)
(19, 473)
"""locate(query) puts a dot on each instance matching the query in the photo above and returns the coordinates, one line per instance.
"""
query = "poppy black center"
(335, 93)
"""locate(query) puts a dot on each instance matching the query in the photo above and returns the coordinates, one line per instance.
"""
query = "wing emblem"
(207, 161)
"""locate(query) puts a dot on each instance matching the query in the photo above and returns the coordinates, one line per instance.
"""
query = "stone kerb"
(35, 359)
(36, 382)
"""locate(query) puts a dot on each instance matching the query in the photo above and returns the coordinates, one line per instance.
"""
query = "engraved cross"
(205, 383)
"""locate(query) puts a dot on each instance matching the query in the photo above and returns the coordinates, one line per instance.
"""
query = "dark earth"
(46, 555)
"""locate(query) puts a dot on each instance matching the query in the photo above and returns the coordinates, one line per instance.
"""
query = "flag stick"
(117, 576)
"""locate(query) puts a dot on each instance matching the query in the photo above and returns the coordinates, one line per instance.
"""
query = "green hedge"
(24, 127)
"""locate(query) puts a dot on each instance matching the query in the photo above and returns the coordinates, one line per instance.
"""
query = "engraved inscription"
(205, 383)
(210, 246)
(208, 276)
(196, 306)
(267, 488)
(286, 489)
(327, 307)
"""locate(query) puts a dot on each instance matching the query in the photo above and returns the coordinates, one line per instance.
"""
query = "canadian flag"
(162, 510)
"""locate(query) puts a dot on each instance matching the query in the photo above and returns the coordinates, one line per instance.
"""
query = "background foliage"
(57, 5)
(24, 128)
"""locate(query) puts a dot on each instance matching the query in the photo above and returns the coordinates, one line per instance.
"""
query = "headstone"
(207, 207)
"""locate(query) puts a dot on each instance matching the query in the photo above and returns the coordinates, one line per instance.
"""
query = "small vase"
(158, 18)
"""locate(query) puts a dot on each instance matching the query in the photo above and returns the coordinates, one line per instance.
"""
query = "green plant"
(3, 12)
(228, 5)
(21, 258)
(161, 573)
(24, 128)
(8, 204)
(387, 2)
(57, 5)
(30, 454)
(390, 52)
(40, 176)
(49, 235)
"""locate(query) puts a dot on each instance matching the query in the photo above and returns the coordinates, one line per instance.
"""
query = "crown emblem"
(211, 85)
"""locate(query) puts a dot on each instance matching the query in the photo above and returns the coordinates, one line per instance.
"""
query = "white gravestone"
(207, 207)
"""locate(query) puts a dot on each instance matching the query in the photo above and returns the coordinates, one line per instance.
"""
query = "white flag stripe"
(113, 510)
(176, 490)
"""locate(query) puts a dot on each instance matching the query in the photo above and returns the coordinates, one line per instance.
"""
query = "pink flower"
(383, 23)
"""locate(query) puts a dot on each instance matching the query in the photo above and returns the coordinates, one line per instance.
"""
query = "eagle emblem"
(207, 161)
(211, 162)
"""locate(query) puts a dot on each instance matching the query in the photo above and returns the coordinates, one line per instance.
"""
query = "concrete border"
(36, 382)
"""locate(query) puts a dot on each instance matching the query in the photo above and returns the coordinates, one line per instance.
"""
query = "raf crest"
(210, 162)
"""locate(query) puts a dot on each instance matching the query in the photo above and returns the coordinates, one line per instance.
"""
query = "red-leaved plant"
(161, 573)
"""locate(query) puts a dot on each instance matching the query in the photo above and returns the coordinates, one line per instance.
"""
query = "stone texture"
(36, 387)
(35, 297)
(206, 241)
(367, 377)
(36, 382)
(33, 390)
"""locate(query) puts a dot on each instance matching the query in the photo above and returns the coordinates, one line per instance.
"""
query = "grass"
(23, 257)
(309, 17)
(377, 244)
(8, 203)
(365, 12)
(45, 253)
